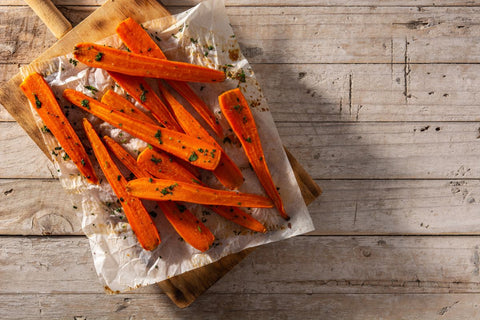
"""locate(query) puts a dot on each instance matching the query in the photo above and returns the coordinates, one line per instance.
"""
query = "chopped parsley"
(181, 207)
(73, 61)
(99, 56)
(143, 94)
(193, 40)
(38, 103)
(155, 160)
(158, 136)
(85, 103)
(92, 89)
(193, 157)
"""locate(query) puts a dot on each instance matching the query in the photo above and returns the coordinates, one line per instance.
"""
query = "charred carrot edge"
(193, 231)
(238, 114)
(137, 216)
(141, 91)
(161, 166)
(119, 103)
(110, 59)
(166, 189)
(139, 41)
(178, 144)
(42, 98)
(227, 171)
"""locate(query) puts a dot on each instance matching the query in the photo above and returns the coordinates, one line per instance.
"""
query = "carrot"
(139, 41)
(119, 103)
(137, 216)
(161, 166)
(227, 171)
(197, 152)
(193, 231)
(238, 114)
(166, 189)
(141, 91)
(42, 98)
(98, 56)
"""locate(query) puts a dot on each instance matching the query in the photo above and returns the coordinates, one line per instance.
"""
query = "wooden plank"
(303, 265)
(410, 150)
(306, 92)
(280, 3)
(347, 207)
(243, 306)
(38, 207)
(20, 156)
(303, 34)
(363, 92)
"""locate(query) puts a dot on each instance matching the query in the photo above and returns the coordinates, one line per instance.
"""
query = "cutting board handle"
(51, 16)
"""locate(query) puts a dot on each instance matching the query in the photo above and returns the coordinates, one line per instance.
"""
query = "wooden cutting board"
(185, 288)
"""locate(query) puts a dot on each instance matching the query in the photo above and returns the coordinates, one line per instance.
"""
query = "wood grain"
(366, 150)
(362, 92)
(353, 265)
(244, 306)
(304, 34)
(347, 207)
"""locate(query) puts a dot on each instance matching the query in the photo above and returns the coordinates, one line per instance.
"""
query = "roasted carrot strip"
(178, 144)
(137, 216)
(42, 98)
(227, 171)
(161, 166)
(193, 231)
(141, 91)
(139, 41)
(166, 189)
(119, 103)
(98, 56)
(238, 114)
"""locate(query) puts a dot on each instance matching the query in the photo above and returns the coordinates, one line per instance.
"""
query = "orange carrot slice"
(166, 189)
(186, 224)
(139, 41)
(42, 98)
(159, 165)
(227, 171)
(137, 216)
(141, 91)
(238, 114)
(187, 148)
(98, 56)
(119, 103)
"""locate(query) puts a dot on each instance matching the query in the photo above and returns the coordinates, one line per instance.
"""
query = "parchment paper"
(203, 36)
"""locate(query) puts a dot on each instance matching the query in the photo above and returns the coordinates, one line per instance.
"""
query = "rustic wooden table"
(376, 99)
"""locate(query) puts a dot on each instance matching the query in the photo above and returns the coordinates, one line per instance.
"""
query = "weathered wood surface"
(378, 100)
(438, 280)
(388, 35)
(347, 207)
(340, 264)
(438, 150)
